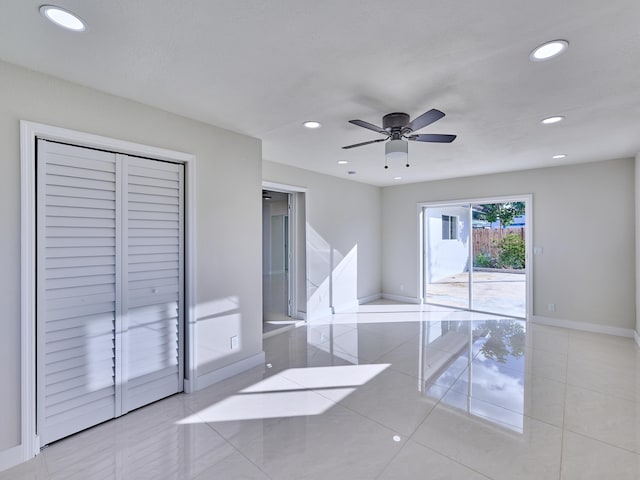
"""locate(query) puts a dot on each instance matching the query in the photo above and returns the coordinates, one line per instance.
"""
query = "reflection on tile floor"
(405, 394)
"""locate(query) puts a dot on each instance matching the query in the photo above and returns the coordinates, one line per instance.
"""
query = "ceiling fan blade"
(432, 137)
(423, 120)
(365, 143)
(370, 126)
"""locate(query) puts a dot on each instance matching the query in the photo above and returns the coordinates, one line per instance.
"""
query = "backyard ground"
(495, 292)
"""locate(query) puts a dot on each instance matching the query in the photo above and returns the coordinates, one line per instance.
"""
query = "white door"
(152, 280)
(109, 285)
(76, 288)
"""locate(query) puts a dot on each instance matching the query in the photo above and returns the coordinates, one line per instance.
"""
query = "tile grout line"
(593, 439)
(410, 436)
(193, 412)
(600, 392)
(431, 411)
(564, 407)
(236, 449)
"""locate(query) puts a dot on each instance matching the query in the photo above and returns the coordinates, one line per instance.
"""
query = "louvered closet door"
(76, 288)
(152, 281)
(109, 286)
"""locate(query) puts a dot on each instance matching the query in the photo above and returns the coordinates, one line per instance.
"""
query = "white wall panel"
(583, 219)
(226, 205)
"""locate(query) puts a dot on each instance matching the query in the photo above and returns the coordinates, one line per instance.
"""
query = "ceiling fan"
(397, 129)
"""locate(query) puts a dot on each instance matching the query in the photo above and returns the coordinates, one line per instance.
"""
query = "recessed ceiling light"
(63, 18)
(342, 162)
(560, 155)
(397, 178)
(548, 50)
(312, 124)
(550, 120)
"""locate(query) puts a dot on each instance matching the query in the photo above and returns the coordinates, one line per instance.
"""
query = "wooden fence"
(486, 240)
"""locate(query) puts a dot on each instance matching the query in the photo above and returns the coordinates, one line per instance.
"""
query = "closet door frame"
(29, 132)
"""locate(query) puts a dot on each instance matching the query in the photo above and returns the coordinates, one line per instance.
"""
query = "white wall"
(637, 222)
(228, 236)
(298, 225)
(583, 218)
(343, 237)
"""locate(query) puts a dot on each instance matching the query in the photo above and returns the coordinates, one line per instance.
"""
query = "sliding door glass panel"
(499, 280)
(446, 256)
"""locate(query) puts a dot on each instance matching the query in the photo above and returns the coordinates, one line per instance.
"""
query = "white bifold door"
(110, 290)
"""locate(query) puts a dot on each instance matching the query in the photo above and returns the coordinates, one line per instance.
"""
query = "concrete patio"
(496, 292)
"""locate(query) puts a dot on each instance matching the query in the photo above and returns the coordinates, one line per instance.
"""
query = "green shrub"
(483, 260)
(512, 251)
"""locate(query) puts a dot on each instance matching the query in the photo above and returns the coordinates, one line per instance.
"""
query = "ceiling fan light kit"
(397, 151)
(398, 129)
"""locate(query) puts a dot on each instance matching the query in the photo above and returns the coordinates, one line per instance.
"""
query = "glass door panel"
(447, 232)
(499, 270)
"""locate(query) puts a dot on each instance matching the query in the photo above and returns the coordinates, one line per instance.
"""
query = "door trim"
(29, 131)
(527, 198)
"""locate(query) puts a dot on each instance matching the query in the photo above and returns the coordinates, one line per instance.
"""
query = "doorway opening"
(283, 259)
(475, 255)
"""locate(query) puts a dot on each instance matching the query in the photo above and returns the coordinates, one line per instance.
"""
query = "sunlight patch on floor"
(291, 393)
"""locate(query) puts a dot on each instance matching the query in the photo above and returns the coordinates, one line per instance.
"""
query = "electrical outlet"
(551, 307)
(233, 342)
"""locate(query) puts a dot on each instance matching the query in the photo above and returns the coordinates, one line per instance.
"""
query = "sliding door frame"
(29, 132)
(526, 198)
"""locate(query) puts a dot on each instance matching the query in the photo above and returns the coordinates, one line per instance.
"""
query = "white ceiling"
(263, 67)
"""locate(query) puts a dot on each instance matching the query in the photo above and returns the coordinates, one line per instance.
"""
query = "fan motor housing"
(395, 121)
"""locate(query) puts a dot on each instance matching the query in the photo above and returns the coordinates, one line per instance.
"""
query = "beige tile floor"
(436, 394)
(274, 304)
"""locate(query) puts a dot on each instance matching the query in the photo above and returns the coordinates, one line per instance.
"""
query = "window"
(449, 227)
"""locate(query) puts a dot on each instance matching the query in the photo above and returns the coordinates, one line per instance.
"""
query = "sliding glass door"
(474, 256)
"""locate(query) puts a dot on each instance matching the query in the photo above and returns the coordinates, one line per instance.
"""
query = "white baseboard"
(319, 313)
(369, 298)
(583, 326)
(11, 457)
(188, 386)
(346, 307)
(400, 298)
(223, 373)
(637, 337)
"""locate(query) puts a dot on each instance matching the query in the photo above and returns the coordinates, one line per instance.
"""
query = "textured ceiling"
(262, 68)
